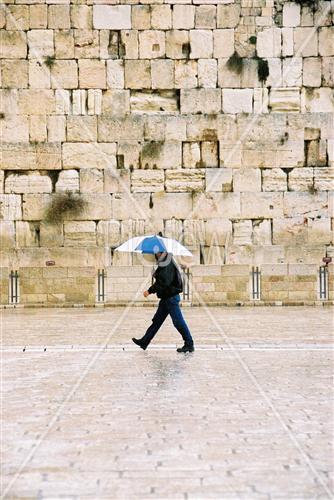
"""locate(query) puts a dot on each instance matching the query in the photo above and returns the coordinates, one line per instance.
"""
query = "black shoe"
(186, 348)
(138, 342)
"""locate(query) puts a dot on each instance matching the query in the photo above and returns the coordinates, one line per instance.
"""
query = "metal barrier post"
(101, 285)
(256, 283)
(323, 283)
(14, 287)
(186, 284)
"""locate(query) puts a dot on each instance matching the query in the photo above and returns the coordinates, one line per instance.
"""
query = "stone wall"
(209, 121)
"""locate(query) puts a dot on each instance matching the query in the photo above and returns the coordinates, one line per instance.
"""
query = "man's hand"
(146, 294)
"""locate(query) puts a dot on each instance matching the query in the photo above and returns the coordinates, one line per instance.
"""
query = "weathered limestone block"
(7, 234)
(94, 101)
(13, 45)
(176, 205)
(287, 42)
(191, 155)
(311, 72)
(39, 75)
(155, 128)
(81, 233)
(137, 74)
(319, 231)
(183, 17)
(209, 152)
(116, 102)
(228, 16)
(131, 228)
(10, 207)
(176, 128)
(78, 102)
(140, 203)
(33, 182)
(206, 101)
(193, 232)
(37, 128)
(177, 44)
(161, 17)
(147, 181)
(164, 101)
(205, 17)
(201, 44)
(275, 72)
(59, 17)
(162, 74)
(207, 73)
(214, 255)
(268, 42)
(217, 231)
(38, 16)
(81, 128)
(82, 17)
(115, 74)
(151, 44)
(291, 14)
(26, 234)
(262, 232)
(116, 181)
(306, 204)
(14, 73)
(34, 206)
(268, 205)
(129, 154)
(112, 17)
(242, 232)
(223, 43)
(64, 44)
(237, 101)
(56, 128)
(141, 17)
(274, 179)
(248, 179)
(88, 155)
(292, 231)
(185, 180)
(92, 74)
(218, 179)
(64, 75)
(215, 205)
(292, 72)
(108, 233)
(40, 43)
(129, 47)
(86, 44)
(36, 102)
(185, 74)
(326, 43)
(14, 129)
(284, 99)
(51, 235)
(68, 180)
(91, 180)
(320, 100)
(328, 71)
(300, 179)
(324, 179)
(249, 74)
(2, 181)
(305, 41)
(173, 229)
(161, 154)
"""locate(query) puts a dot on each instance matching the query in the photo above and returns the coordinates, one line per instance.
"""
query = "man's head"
(160, 256)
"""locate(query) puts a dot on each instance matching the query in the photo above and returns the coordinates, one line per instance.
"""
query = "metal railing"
(14, 292)
(101, 276)
(186, 284)
(256, 283)
(323, 282)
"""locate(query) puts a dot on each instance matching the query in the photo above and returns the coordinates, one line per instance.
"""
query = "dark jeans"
(167, 306)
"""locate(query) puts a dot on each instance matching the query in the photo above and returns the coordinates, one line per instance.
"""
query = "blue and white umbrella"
(152, 244)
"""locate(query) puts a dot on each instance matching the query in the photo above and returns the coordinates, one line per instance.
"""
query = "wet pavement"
(89, 415)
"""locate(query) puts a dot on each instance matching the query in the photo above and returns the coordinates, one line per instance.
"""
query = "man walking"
(167, 285)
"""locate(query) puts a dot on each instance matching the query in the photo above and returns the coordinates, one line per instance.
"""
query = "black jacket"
(167, 279)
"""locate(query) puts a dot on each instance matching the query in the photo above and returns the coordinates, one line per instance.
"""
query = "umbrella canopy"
(151, 244)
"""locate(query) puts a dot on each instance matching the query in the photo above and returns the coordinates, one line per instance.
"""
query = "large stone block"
(307, 204)
(218, 179)
(254, 205)
(124, 205)
(177, 44)
(112, 17)
(151, 44)
(147, 181)
(184, 180)
(141, 17)
(284, 99)
(38, 16)
(161, 154)
(161, 17)
(164, 101)
(228, 16)
(223, 43)
(116, 181)
(209, 154)
(51, 235)
(215, 205)
(64, 44)
(305, 41)
(207, 73)
(82, 17)
(116, 102)
(13, 45)
(162, 74)
(292, 72)
(289, 230)
(328, 71)
(300, 179)
(7, 234)
(39, 75)
(268, 42)
(137, 74)
(14, 129)
(205, 17)
(185, 74)
(311, 72)
(108, 233)
(30, 183)
(326, 43)
(319, 231)
(324, 179)
(262, 233)
(291, 14)
(170, 205)
(242, 232)
(36, 102)
(64, 75)
(115, 74)
(237, 101)
(274, 179)
(88, 155)
(10, 207)
(191, 154)
(217, 231)
(17, 17)
(129, 153)
(92, 74)
(206, 101)
(319, 100)
(247, 179)
(59, 17)
(201, 44)
(40, 43)
(81, 233)
(81, 128)
(183, 17)
(68, 180)
(91, 180)
(14, 73)
(27, 234)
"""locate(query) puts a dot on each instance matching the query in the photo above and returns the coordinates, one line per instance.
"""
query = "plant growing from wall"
(66, 204)
(252, 40)
(2, 116)
(49, 61)
(262, 69)
(235, 63)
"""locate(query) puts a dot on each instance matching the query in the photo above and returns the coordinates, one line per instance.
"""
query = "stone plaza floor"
(87, 414)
